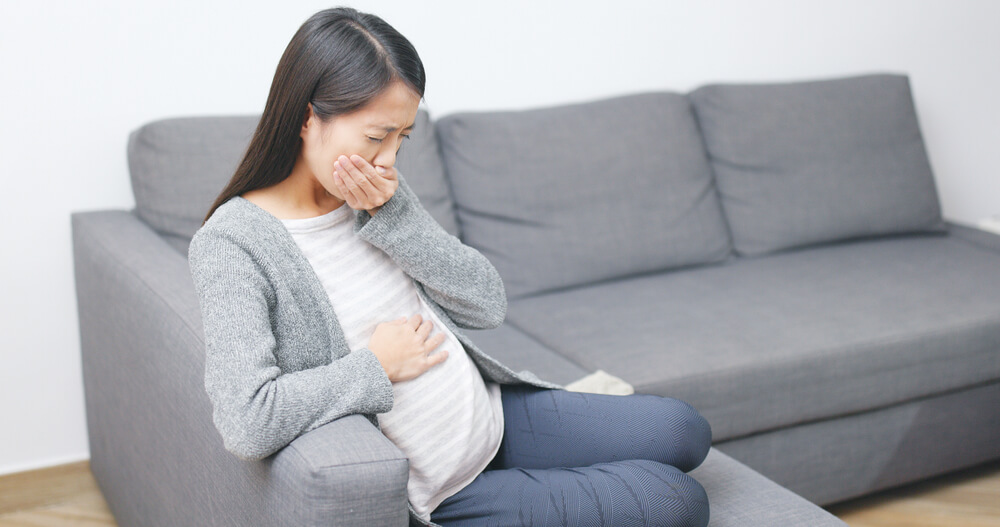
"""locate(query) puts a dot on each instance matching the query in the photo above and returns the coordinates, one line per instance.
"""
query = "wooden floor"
(67, 495)
(62, 495)
(970, 498)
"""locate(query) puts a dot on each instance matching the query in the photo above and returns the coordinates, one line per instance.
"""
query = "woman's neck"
(300, 195)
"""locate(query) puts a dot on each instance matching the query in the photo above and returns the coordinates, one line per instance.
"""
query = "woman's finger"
(434, 341)
(382, 188)
(364, 189)
(360, 199)
(425, 329)
(363, 173)
(437, 358)
(340, 169)
(386, 181)
(387, 177)
(338, 179)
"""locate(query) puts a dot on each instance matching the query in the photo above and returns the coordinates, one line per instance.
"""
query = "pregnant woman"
(327, 289)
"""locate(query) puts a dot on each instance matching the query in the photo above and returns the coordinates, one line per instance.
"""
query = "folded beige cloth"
(601, 382)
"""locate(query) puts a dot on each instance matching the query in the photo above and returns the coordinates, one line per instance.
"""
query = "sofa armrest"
(973, 235)
(154, 449)
(346, 466)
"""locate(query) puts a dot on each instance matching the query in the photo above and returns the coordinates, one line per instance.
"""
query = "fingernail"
(380, 170)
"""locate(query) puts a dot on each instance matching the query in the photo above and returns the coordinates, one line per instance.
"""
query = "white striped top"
(448, 421)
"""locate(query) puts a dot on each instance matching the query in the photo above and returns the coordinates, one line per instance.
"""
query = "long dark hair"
(339, 60)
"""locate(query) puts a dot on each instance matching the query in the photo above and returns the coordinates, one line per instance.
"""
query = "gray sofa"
(773, 254)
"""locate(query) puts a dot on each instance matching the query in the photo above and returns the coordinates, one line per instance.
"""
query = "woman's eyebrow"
(390, 129)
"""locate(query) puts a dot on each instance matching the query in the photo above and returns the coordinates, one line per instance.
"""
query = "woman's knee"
(684, 500)
(691, 432)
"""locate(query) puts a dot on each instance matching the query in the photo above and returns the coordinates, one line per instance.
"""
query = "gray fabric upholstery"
(584, 192)
(154, 450)
(975, 237)
(179, 166)
(769, 342)
(738, 496)
(857, 454)
(798, 163)
(512, 347)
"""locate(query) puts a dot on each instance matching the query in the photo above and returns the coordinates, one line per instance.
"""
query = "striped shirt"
(448, 421)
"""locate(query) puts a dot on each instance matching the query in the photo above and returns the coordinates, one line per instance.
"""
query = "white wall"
(77, 78)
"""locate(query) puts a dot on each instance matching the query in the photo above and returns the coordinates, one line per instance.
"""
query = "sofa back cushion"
(179, 166)
(573, 194)
(807, 162)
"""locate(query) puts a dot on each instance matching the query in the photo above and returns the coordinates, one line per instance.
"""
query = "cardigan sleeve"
(458, 277)
(257, 408)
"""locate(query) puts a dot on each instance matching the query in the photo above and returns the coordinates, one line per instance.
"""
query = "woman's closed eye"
(380, 139)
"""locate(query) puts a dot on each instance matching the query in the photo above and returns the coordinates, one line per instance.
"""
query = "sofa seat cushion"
(738, 496)
(179, 166)
(567, 195)
(762, 343)
(515, 349)
(800, 163)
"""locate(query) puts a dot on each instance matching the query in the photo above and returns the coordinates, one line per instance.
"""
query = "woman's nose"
(385, 158)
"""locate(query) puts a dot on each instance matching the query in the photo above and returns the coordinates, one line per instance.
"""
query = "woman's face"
(375, 132)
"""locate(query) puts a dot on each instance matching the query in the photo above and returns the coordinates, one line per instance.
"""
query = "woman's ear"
(308, 119)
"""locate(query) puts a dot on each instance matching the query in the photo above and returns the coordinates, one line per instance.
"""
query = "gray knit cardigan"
(277, 364)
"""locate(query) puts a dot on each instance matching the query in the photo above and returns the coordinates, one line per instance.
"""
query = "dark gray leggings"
(584, 459)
